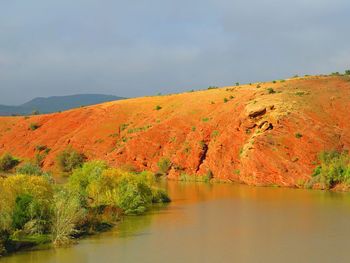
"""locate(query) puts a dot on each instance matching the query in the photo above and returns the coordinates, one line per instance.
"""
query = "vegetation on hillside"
(34, 209)
(70, 159)
(333, 169)
(8, 162)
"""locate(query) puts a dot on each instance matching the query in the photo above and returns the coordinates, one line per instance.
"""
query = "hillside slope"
(260, 134)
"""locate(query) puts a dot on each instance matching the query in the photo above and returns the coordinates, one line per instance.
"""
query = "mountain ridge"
(55, 103)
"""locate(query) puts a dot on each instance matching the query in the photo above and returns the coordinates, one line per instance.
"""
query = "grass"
(139, 129)
(215, 133)
(300, 93)
(36, 239)
(196, 178)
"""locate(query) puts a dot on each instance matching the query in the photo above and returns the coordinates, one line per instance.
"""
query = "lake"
(220, 223)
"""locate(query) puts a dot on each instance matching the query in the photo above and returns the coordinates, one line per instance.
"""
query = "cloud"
(135, 48)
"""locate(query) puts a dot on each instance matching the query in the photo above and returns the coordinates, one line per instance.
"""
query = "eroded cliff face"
(246, 133)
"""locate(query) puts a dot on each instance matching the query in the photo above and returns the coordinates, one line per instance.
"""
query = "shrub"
(40, 147)
(99, 186)
(7, 162)
(70, 159)
(215, 133)
(271, 91)
(33, 126)
(87, 181)
(334, 168)
(39, 158)
(123, 126)
(225, 100)
(347, 72)
(67, 213)
(298, 135)
(32, 208)
(134, 196)
(158, 107)
(29, 169)
(164, 165)
(22, 212)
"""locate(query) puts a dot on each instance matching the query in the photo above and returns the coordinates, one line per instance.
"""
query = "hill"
(55, 104)
(259, 134)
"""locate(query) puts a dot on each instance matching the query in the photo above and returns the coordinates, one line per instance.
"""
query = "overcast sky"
(135, 48)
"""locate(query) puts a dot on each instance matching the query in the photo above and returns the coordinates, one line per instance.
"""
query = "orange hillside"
(259, 134)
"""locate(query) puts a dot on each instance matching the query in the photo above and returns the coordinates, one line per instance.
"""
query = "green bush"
(347, 72)
(98, 185)
(271, 91)
(158, 107)
(298, 135)
(134, 196)
(70, 159)
(7, 162)
(33, 126)
(23, 211)
(334, 168)
(164, 165)
(89, 174)
(33, 209)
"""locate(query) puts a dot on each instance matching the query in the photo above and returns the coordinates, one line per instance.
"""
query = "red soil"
(250, 138)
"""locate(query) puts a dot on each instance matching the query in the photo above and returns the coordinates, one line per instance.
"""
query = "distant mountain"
(56, 103)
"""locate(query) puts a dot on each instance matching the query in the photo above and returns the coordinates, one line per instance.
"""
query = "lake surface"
(221, 223)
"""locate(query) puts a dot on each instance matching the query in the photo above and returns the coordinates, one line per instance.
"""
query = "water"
(221, 223)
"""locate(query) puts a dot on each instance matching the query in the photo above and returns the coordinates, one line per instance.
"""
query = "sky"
(137, 47)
